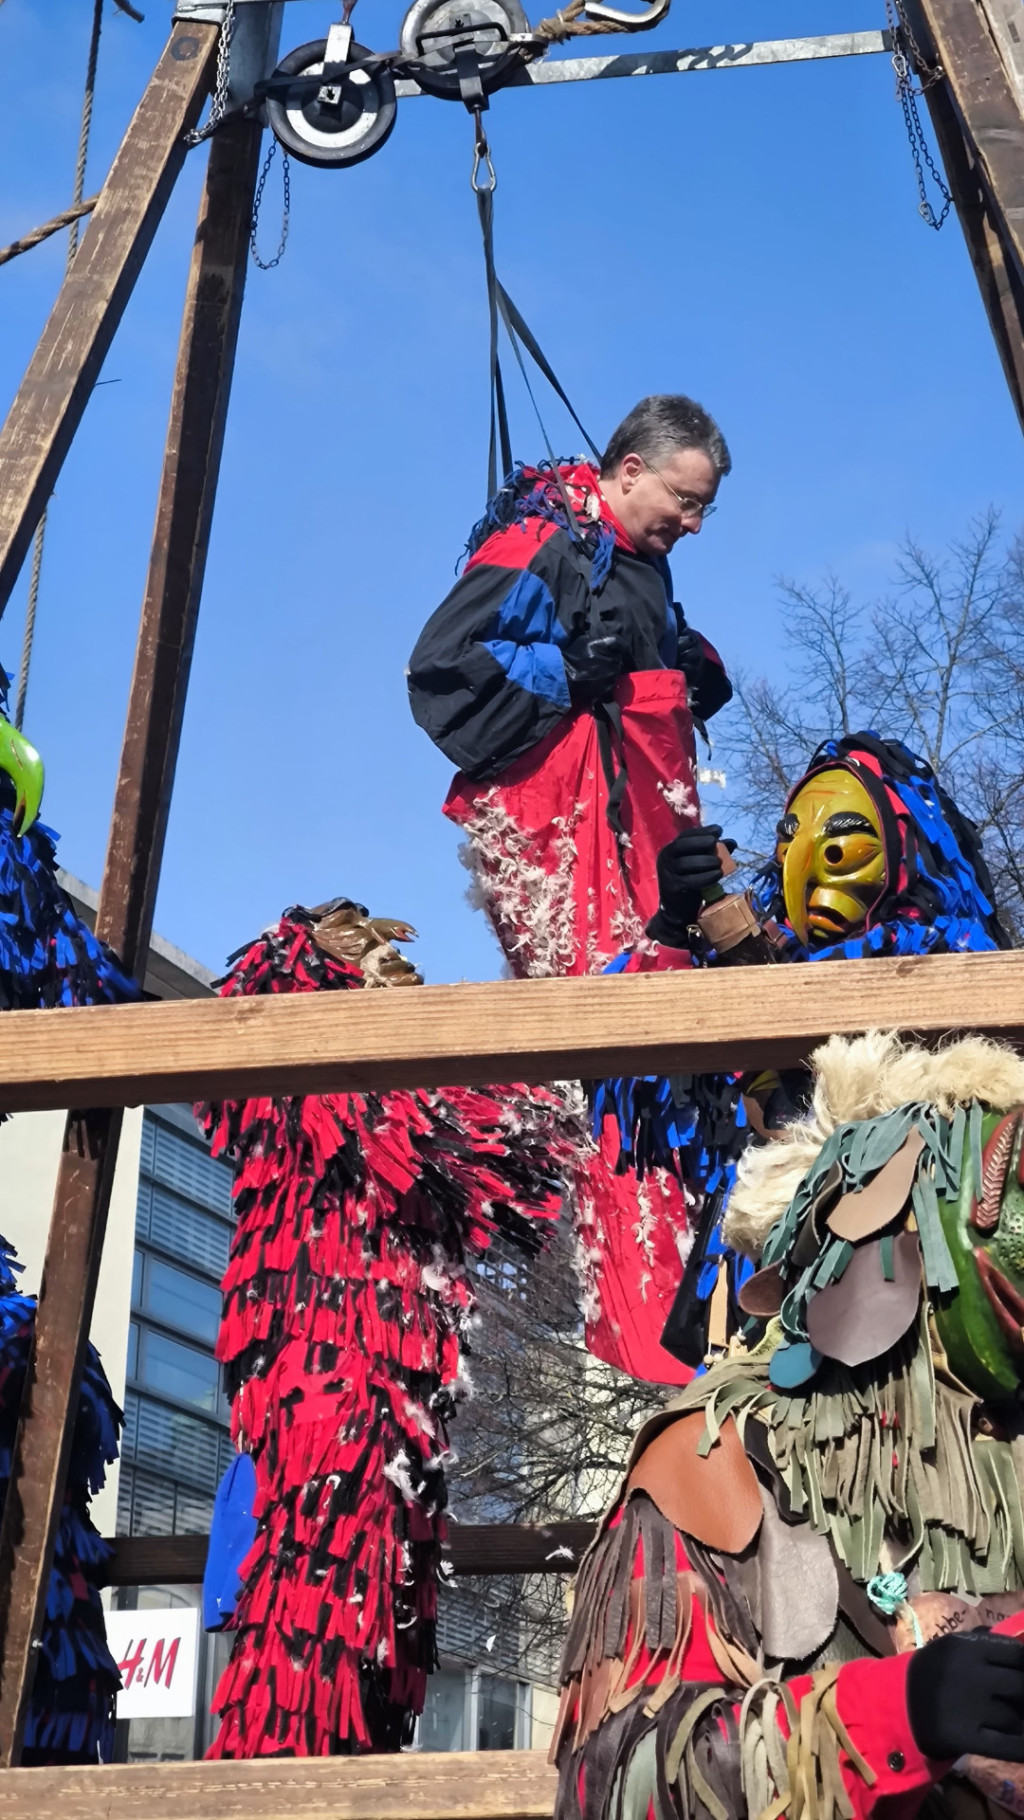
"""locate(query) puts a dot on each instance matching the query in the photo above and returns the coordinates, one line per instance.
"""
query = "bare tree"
(937, 663)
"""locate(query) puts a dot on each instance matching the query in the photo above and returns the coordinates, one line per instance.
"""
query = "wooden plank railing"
(532, 1030)
(417, 1785)
(486, 1548)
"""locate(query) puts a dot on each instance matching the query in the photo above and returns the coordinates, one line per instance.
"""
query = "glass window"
(443, 1724)
(496, 1725)
(182, 1300)
(171, 1158)
(133, 1348)
(137, 1264)
(185, 1231)
(180, 1371)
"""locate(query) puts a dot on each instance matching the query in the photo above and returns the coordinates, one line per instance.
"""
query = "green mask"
(982, 1328)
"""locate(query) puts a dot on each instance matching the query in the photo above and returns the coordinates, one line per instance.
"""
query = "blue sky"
(748, 236)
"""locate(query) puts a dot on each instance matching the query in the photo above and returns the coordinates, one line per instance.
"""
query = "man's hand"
(593, 664)
(687, 868)
(965, 1697)
(691, 659)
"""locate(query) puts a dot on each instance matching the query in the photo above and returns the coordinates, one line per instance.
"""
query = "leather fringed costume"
(774, 1617)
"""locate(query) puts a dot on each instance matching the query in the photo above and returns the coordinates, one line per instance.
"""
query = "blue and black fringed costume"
(937, 899)
(49, 958)
(71, 1716)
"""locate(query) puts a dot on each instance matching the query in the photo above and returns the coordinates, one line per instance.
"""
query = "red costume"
(344, 1337)
(565, 812)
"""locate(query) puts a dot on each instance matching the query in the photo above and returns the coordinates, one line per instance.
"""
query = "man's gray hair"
(660, 425)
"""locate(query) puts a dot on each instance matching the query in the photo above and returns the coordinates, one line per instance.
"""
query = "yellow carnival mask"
(832, 855)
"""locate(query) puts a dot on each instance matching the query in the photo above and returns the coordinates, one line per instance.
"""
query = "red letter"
(158, 1666)
(131, 1667)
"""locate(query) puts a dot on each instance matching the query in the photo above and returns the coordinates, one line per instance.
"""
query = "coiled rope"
(70, 218)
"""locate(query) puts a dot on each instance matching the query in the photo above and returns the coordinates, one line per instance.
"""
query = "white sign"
(156, 1653)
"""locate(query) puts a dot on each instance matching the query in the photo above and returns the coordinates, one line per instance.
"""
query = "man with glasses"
(562, 678)
(567, 588)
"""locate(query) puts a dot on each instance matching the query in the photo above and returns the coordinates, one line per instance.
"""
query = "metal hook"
(633, 22)
(482, 155)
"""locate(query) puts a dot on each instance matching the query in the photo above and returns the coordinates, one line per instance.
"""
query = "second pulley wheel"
(337, 125)
(433, 30)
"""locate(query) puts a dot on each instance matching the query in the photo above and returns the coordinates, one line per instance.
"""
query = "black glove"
(691, 659)
(687, 868)
(965, 1695)
(593, 664)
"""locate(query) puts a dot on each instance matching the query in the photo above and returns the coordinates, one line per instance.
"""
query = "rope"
(72, 216)
(39, 234)
(30, 622)
(568, 23)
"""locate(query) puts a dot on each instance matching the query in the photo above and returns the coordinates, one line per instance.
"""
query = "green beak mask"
(24, 767)
(982, 1327)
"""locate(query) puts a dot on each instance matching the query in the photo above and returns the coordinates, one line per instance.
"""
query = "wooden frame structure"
(108, 1057)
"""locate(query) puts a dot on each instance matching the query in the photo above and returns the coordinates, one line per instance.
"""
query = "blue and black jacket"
(486, 679)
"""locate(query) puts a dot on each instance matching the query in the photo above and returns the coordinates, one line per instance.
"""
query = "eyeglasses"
(688, 506)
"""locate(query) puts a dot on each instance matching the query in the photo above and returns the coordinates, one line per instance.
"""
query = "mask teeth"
(993, 1176)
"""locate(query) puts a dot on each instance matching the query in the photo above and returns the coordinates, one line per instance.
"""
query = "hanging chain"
(908, 58)
(219, 104)
(482, 155)
(267, 265)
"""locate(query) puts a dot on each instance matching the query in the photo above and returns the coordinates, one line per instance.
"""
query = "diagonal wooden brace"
(191, 465)
(52, 397)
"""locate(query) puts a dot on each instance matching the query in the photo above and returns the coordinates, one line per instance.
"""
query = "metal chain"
(267, 265)
(219, 104)
(905, 52)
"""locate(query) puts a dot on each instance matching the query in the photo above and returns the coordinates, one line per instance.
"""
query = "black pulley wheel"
(433, 30)
(349, 127)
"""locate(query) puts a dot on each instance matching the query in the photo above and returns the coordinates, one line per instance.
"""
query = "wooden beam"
(415, 1785)
(531, 1030)
(977, 115)
(473, 1548)
(1000, 284)
(51, 400)
(125, 913)
(987, 102)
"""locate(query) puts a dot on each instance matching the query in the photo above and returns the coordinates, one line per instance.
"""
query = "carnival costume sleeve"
(487, 680)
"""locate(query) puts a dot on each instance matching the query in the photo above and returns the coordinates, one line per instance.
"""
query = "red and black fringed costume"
(346, 1307)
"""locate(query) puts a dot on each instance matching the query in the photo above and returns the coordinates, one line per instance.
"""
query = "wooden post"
(52, 397)
(124, 918)
(977, 111)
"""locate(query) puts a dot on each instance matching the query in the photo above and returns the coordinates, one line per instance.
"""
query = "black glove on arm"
(687, 868)
(965, 1695)
(593, 664)
(691, 659)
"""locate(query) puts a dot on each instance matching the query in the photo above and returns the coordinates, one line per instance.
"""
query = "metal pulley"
(339, 105)
(451, 43)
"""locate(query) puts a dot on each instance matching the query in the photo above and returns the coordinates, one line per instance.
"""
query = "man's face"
(832, 856)
(657, 505)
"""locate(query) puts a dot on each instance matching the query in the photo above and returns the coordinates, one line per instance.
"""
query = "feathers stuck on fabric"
(347, 1301)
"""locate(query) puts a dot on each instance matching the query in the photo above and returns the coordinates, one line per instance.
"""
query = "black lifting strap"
(499, 303)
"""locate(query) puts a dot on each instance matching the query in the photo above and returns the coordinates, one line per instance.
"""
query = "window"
(133, 1348)
(171, 1158)
(180, 1372)
(177, 1298)
(496, 1720)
